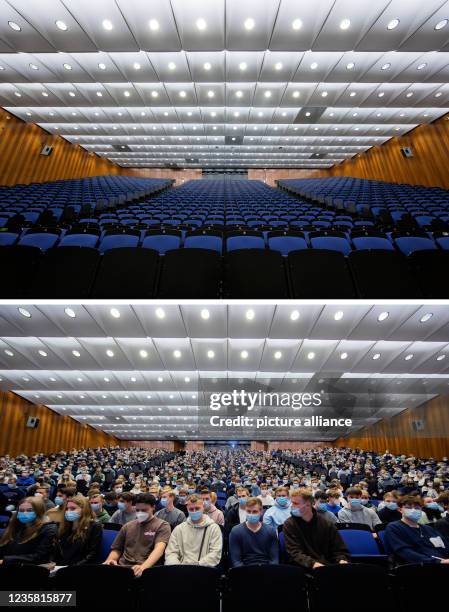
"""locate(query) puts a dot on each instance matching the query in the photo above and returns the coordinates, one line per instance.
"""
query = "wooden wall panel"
(166, 444)
(270, 176)
(398, 436)
(180, 176)
(55, 432)
(21, 162)
(284, 445)
(428, 166)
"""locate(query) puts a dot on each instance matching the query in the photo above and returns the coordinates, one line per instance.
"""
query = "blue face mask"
(322, 507)
(196, 515)
(164, 502)
(26, 517)
(182, 499)
(355, 503)
(282, 501)
(207, 504)
(191, 491)
(433, 506)
(242, 501)
(95, 507)
(364, 501)
(413, 514)
(253, 518)
(295, 512)
(59, 500)
(391, 505)
(72, 515)
(121, 505)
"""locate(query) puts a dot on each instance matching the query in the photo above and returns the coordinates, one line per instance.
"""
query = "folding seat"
(18, 265)
(255, 273)
(116, 240)
(128, 273)
(429, 269)
(162, 240)
(203, 239)
(244, 240)
(410, 243)
(362, 546)
(190, 273)
(66, 272)
(40, 238)
(382, 274)
(334, 241)
(369, 239)
(8, 238)
(287, 241)
(316, 273)
(85, 238)
(441, 238)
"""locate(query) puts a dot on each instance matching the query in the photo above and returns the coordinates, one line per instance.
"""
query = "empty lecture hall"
(224, 149)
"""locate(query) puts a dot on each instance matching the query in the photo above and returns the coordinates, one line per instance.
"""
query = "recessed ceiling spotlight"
(160, 379)
(72, 94)
(76, 353)
(249, 23)
(278, 66)
(210, 94)
(154, 94)
(182, 94)
(313, 65)
(42, 353)
(267, 94)
(421, 66)
(438, 95)
(126, 94)
(311, 355)
(386, 66)
(441, 357)
(441, 24)
(186, 379)
(34, 67)
(277, 355)
(177, 354)
(250, 314)
(137, 66)
(17, 94)
(9, 353)
(160, 313)
(297, 24)
(376, 356)
(350, 66)
(133, 379)
(409, 94)
(45, 94)
(244, 354)
(210, 354)
(344, 356)
(201, 24)
(67, 66)
(143, 353)
(352, 94)
(426, 317)
(393, 24)
(110, 353)
(154, 25)
(344, 24)
(207, 66)
(107, 24)
(61, 25)
(205, 314)
(324, 94)
(408, 357)
(239, 93)
(338, 316)
(381, 94)
(296, 94)
(24, 312)
(382, 316)
(14, 26)
(172, 66)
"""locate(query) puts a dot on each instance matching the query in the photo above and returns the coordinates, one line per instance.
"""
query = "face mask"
(182, 499)
(95, 507)
(242, 501)
(295, 485)
(263, 492)
(364, 501)
(196, 515)
(72, 515)
(191, 491)
(142, 516)
(121, 505)
(12, 486)
(207, 504)
(413, 514)
(26, 517)
(119, 490)
(282, 501)
(433, 506)
(322, 507)
(295, 512)
(355, 503)
(285, 481)
(164, 502)
(253, 518)
(391, 505)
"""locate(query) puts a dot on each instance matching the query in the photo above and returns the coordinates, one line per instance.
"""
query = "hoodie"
(185, 542)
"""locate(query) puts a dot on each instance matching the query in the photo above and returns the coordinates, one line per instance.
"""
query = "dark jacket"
(389, 516)
(315, 541)
(232, 518)
(35, 551)
(443, 526)
(82, 550)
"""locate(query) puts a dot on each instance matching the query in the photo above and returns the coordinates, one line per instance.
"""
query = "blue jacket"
(413, 545)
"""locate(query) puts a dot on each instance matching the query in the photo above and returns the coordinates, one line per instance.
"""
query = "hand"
(316, 564)
(1, 561)
(343, 561)
(138, 569)
(110, 562)
(445, 561)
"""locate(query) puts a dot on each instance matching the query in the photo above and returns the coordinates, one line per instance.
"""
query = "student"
(253, 542)
(333, 504)
(443, 524)
(140, 544)
(168, 512)
(356, 512)
(209, 498)
(265, 496)
(411, 542)
(79, 535)
(280, 512)
(180, 501)
(432, 509)
(237, 513)
(126, 510)
(196, 541)
(28, 538)
(389, 512)
(111, 502)
(56, 514)
(320, 505)
(100, 514)
(43, 490)
(311, 541)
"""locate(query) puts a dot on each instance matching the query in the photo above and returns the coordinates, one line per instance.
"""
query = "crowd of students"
(199, 507)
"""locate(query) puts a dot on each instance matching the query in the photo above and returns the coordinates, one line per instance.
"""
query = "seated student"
(168, 512)
(63, 493)
(155, 491)
(356, 512)
(311, 541)
(252, 542)
(333, 504)
(366, 501)
(43, 490)
(180, 501)
(140, 544)
(389, 512)
(209, 498)
(126, 510)
(443, 524)
(320, 506)
(432, 509)
(29, 537)
(79, 534)
(237, 513)
(196, 541)
(280, 512)
(11, 495)
(265, 496)
(111, 502)
(411, 542)
(100, 514)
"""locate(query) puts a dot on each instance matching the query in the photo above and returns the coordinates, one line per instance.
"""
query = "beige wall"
(180, 176)
(270, 176)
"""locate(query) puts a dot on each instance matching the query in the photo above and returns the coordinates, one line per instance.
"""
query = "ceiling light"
(244, 354)
(34, 67)
(408, 357)
(239, 93)
(381, 94)
(393, 24)
(160, 313)
(441, 357)
(344, 356)
(210, 354)
(9, 353)
(72, 94)
(421, 66)
(267, 94)
(338, 316)
(344, 25)
(277, 355)
(177, 354)
(154, 25)
(376, 356)
(207, 66)
(201, 24)
(182, 94)
(14, 26)
(250, 315)
(61, 25)
(324, 94)
(383, 315)
(350, 66)
(110, 353)
(278, 66)
(308, 114)
(243, 65)
(441, 24)
(297, 24)
(210, 94)
(76, 353)
(160, 379)
(437, 95)
(136, 66)
(409, 94)
(18, 94)
(426, 317)
(294, 315)
(133, 379)
(171, 66)
(107, 25)
(45, 94)
(296, 94)
(143, 353)
(205, 314)
(24, 312)
(249, 24)
(154, 94)
(386, 66)
(311, 355)
(126, 94)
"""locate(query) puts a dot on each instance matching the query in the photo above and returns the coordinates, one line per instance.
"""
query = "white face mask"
(142, 516)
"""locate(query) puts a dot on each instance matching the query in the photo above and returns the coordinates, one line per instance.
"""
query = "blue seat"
(8, 238)
(442, 242)
(116, 241)
(333, 243)
(162, 242)
(43, 241)
(107, 538)
(359, 542)
(81, 240)
(213, 243)
(411, 244)
(285, 244)
(235, 243)
(372, 242)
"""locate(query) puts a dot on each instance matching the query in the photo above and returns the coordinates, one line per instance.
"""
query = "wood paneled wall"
(270, 176)
(292, 445)
(167, 445)
(55, 432)
(21, 162)
(180, 176)
(397, 434)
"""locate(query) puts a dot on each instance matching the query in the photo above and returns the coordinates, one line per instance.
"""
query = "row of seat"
(133, 272)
